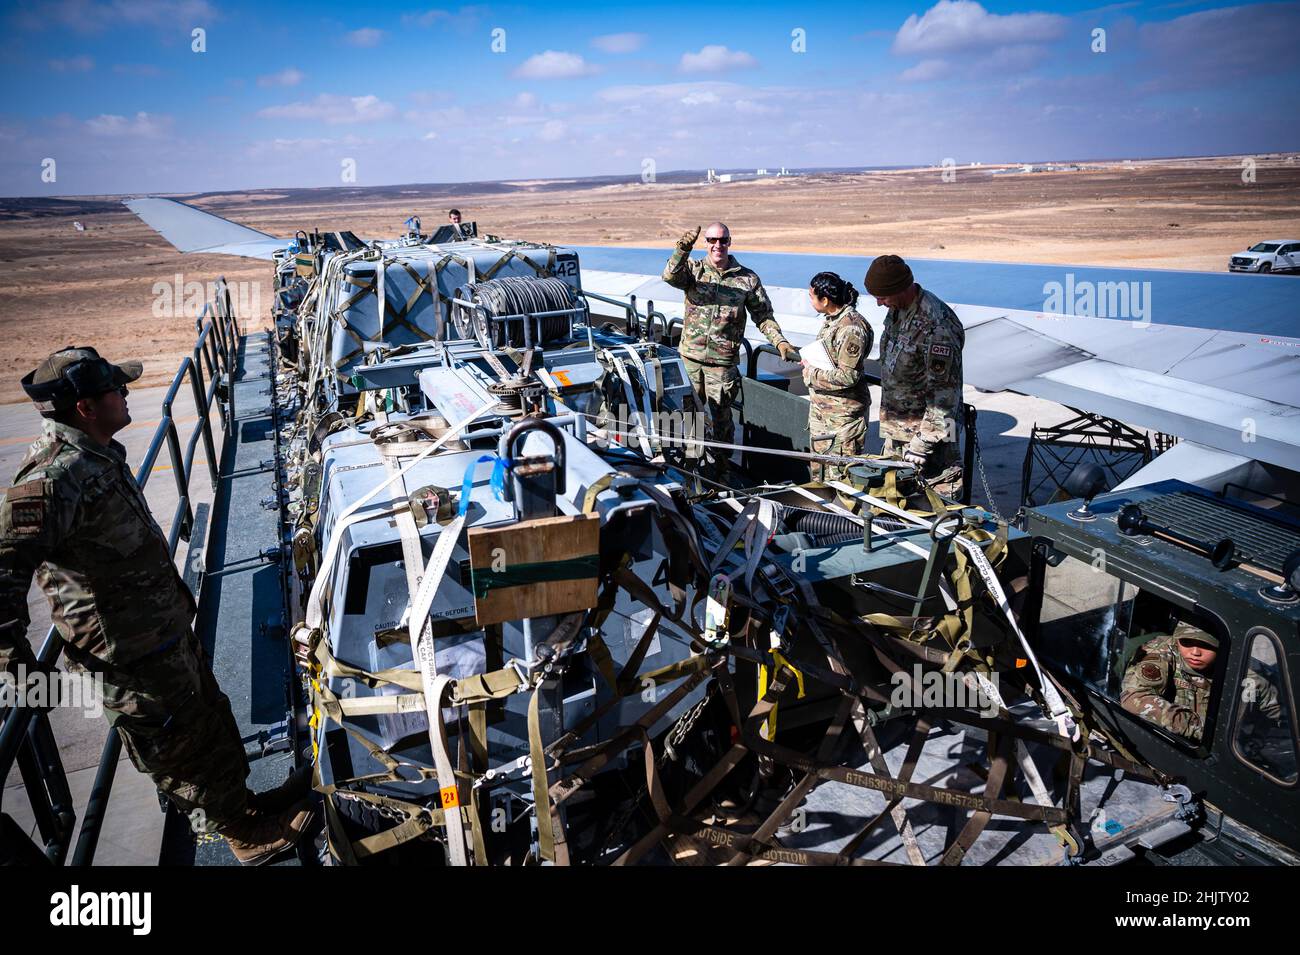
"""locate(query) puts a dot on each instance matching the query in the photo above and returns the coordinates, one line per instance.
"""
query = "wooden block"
(534, 568)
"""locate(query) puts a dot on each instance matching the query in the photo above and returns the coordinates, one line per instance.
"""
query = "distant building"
(761, 172)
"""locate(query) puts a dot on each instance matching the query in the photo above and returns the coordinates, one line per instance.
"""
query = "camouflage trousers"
(835, 434)
(717, 391)
(178, 728)
(942, 469)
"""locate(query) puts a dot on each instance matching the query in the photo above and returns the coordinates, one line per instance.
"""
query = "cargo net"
(782, 693)
(516, 312)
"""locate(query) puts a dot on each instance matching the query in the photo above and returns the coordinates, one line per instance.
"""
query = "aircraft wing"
(1218, 369)
(193, 230)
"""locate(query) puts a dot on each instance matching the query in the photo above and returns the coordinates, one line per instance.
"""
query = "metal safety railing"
(26, 737)
(633, 318)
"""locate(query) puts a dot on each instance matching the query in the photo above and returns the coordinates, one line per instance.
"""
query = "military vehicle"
(1107, 578)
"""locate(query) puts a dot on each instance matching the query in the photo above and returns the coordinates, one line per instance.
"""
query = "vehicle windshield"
(1083, 622)
(1264, 247)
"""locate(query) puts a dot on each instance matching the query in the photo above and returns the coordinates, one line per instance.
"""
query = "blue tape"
(499, 467)
(499, 477)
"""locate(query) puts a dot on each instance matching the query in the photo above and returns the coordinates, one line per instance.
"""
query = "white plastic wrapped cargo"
(408, 299)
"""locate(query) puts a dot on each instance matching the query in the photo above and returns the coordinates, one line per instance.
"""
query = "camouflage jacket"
(847, 338)
(920, 373)
(1159, 687)
(76, 518)
(716, 303)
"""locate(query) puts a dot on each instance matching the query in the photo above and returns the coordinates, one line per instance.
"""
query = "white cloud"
(283, 144)
(1013, 59)
(715, 59)
(328, 108)
(463, 19)
(552, 131)
(286, 77)
(964, 24)
(703, 98)
(426, 19)
(553, 65)
(365, 37)
(925, 71)
(619, 42)
(142, 124)
(525, 100)
(73, 64)
(685, 93)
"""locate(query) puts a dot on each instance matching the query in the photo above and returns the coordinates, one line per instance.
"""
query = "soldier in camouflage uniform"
(838, 400)
(719, 293)
(920, 374)
(1169, 683)
(76, 519)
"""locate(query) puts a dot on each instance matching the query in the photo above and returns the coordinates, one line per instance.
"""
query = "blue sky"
(285, 93)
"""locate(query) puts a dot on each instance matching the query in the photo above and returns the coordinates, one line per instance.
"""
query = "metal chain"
(682, 728)
(388, 812)
(984, 478)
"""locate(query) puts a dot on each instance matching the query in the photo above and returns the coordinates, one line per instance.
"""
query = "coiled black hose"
(514, 295)
(818, 523)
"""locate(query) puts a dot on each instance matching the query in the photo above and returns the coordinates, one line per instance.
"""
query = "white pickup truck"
(1276, 255)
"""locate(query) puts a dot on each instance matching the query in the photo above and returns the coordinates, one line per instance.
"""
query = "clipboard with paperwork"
(814, 356)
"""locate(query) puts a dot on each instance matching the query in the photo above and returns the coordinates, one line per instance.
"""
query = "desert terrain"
(118, 286)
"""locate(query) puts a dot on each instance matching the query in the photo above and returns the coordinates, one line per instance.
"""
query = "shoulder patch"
(941, 362)
(1149, 671)
(26, 503)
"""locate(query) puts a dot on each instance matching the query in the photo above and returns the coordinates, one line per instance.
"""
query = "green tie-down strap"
(575, 568)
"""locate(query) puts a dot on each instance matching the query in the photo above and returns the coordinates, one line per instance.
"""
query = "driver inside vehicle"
(1170, 680)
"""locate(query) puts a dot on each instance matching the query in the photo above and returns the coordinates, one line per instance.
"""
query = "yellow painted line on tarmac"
(168, 467)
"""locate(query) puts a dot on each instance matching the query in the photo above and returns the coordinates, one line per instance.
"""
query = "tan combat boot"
(293, 790)
(257, 840)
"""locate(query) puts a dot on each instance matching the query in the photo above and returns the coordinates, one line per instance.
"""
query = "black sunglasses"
(724, 239)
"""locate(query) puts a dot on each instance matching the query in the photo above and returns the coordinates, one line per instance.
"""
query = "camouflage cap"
(74, 373)
(1194, 634)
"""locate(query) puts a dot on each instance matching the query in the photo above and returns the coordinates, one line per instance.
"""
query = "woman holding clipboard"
(838, 399)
